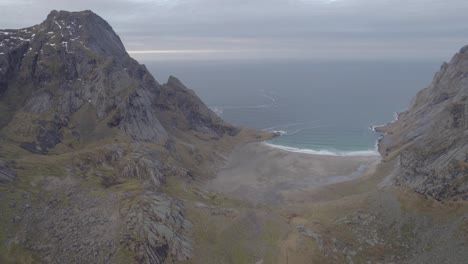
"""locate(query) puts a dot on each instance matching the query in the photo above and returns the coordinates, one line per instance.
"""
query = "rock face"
(87, 140)
(7, 173)
(430, 140)
(72, 73)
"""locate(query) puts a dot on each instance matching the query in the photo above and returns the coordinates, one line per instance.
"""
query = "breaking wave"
(324, 152)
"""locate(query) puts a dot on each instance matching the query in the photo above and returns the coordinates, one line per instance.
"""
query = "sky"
(319, 30)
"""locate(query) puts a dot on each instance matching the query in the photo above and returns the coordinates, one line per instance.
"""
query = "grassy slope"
(355, 221)
(35, 173)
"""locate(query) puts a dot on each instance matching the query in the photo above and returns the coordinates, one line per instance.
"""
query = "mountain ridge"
(88, 140)
(429, 139)
(100, 163)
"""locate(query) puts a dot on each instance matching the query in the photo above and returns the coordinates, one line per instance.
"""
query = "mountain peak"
(173, 81)
(74, 69)
(62, 14)
(85, 27)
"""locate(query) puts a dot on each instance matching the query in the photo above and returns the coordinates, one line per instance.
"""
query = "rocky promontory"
(430, 139)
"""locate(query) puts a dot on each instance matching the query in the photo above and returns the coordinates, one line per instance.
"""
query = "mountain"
(430, 139)
(87, 140)
(99, 163)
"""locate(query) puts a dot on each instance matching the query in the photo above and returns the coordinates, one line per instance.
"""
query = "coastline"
(324, 152)
(265, 174)
(333, 152)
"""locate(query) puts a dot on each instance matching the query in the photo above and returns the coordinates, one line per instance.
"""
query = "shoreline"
(332, 152)
(324, 152)
(263, 174)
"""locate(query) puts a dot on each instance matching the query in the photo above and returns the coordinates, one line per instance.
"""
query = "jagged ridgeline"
(70, 81)
(430, 139)
(87, 137)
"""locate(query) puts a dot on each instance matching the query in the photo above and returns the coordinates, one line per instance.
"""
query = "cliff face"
(87, 139)
(72, 73)
(430, 139)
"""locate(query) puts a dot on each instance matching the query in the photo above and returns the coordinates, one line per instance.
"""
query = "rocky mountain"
(430, 139)
(87, 140)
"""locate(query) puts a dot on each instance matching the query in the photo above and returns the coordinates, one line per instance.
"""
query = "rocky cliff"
(87, 139)
(430, 138)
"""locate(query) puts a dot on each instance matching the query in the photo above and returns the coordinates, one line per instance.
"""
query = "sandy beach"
(278, 206)
(263, 174)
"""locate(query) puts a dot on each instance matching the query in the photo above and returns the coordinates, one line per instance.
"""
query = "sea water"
(319, 107)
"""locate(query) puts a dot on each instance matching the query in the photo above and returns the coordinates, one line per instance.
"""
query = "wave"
(268, 95)
(294, 125)
(294, 132)
(283, 126)
(323, 152)
(271, 98)
(244, 106)
(219, 110)
(279, 132)
(396, 117)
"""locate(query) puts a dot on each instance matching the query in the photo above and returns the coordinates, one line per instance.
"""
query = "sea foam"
(363, 153)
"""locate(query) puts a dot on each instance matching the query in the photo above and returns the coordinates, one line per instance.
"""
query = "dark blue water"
(321, 107)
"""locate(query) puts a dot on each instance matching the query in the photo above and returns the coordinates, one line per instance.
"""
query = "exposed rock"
(7, 172)
(431, 138)
(175, 97)
(73, 62)
(104, 136)
(50, 134)
(158, 220)
(214, 210)
(309, 233)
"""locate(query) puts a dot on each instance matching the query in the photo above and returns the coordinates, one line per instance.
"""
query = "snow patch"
(23, 39)
(65, 44)
(58, 24)
(81, 42)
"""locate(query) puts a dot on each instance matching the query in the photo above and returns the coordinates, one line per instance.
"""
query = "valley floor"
(267, 205)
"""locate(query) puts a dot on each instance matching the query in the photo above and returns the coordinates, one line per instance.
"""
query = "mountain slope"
(87, 140)
(430, 139)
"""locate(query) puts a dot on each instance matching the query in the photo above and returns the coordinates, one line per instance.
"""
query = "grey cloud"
(271, 29)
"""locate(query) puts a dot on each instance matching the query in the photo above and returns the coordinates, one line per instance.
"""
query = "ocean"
(320, 107)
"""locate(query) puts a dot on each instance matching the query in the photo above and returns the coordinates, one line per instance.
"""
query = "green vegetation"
(15, 254)
(408, 230)
(123, 256)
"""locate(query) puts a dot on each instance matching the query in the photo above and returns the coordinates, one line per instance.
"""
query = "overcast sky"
(270, 29)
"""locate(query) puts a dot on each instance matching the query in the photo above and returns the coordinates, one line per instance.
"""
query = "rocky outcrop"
(95, 137)
(159, 228)
(74, 61)
(7, 172)
(73, 66)
(196, 116)
(430, 139)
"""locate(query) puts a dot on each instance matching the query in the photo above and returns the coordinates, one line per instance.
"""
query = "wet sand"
(262, 174)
